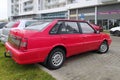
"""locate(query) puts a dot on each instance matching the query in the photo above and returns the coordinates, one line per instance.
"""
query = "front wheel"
(103, 47)
(56, 58)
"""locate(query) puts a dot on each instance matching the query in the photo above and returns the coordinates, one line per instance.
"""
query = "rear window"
(10, 25)
(38, 26)
(29, 23)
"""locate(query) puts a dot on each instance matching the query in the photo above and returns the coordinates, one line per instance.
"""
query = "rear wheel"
(56, 58)
(103, 47)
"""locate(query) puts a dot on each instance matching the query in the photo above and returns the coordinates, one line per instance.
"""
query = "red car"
(53, 41)
(97, 27)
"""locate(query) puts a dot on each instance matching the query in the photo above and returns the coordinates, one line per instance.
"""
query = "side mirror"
(97, 31)
(101, 30)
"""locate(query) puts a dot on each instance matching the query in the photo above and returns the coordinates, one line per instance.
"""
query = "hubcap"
(103, 47)
(57, 58)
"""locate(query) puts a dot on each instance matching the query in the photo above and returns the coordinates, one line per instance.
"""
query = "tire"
(104, 47)
(117, 33)
(56, 58)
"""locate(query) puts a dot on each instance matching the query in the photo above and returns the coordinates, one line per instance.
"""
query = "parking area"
(91, 65)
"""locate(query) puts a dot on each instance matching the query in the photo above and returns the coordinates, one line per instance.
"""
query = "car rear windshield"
(38, 26)
(10, 25)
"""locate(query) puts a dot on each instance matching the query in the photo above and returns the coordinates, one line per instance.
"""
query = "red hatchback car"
(51, 42)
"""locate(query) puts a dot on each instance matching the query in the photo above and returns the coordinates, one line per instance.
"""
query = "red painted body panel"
(96, 27)
(40, 43)
(29, 56)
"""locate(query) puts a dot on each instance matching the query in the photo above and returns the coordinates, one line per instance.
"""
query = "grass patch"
(9, 70)
(106, 31)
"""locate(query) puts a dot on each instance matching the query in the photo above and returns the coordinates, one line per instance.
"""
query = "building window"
(12, 1)
(49, 1)
(73, 11)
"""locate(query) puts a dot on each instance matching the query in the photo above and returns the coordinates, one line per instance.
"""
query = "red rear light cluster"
(16, 24)
(23, 44)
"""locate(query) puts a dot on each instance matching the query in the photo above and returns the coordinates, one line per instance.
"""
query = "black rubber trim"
(7, 56)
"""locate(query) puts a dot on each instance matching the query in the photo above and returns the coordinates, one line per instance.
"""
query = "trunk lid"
(17, 36)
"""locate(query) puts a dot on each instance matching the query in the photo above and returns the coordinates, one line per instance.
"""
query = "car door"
(70, 37)
(91, 38)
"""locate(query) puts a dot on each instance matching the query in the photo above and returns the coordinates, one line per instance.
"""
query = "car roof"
(24, 20)
(70, 20)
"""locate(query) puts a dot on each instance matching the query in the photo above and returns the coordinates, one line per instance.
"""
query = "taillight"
(16, 24)
(23, 44)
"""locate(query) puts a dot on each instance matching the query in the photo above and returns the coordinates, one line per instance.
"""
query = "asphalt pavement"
(91, 65)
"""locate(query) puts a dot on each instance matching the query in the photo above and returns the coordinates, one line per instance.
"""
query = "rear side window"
(55, 29)
(28, 23)
(86, 28)
(69, 28)
(38, 27)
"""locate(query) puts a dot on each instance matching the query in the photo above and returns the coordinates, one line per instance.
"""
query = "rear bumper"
(27, 57)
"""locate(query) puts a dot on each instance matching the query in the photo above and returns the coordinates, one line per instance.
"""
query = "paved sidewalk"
(91, 66)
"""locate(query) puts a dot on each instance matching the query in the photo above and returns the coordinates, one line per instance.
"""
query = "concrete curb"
(51, 72)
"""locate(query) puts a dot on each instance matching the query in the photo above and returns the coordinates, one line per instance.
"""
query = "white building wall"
(9, 12)
(69, 5)
(35, 3)
(82, 3)
(52, 10)
(23, 12)
(108, 1)
(49, 4)
(61, 5)
(21, 8)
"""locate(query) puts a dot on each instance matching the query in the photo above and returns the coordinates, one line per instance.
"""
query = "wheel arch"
(57, 46)
(107, 46)
(105, 40)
